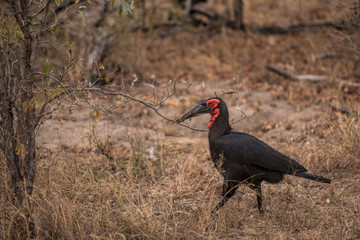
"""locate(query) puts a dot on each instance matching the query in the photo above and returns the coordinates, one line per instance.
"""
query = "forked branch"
(154, 106)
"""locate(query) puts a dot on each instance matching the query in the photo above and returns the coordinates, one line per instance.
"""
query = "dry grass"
(120, 191)
(81, 195)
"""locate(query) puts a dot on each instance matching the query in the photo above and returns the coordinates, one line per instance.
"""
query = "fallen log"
(307, 77)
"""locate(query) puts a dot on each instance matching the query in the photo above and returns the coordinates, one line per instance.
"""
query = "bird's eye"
(210, 104)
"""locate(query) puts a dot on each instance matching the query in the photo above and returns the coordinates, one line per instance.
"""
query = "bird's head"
(211, 106)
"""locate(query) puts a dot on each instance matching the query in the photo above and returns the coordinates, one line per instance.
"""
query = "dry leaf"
(118, 69)
(97, 115)
(101, 66)
(203, 86)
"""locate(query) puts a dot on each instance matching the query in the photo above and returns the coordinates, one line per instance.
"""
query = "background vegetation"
(109, 167)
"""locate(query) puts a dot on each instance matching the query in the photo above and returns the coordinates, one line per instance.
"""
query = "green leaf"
(32, 22)
(54, 70)
(127, 6)
(120, 10)
(57, 2)
(89, 2)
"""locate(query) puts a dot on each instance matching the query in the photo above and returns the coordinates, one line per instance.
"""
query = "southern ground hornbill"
(242, 158)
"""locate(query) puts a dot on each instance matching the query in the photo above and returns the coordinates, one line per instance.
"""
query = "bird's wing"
(247, 150)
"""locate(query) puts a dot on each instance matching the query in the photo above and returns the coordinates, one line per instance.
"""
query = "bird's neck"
(219, 128)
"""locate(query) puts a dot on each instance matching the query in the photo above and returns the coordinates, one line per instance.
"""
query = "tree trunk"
(17, 105)
(238, 12)
(8, 128)
(17, 108)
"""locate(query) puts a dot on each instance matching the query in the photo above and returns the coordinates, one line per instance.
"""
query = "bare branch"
(46, 6)
(242, 117)
(154, 107)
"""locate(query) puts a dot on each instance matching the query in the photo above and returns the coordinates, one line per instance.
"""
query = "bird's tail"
(313, 177)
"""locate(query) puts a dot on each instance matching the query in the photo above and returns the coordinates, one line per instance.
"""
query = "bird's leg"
(229, 189)
(257, 188)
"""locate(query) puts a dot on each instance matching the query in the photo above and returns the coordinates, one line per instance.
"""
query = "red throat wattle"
(213, 103)
(214, 114)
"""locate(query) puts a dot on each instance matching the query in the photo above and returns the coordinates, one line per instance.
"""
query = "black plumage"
(243, 158)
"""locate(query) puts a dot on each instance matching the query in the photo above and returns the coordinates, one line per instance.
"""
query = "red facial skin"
(212, 104)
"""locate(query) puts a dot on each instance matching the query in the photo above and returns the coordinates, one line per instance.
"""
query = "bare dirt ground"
(153, 179)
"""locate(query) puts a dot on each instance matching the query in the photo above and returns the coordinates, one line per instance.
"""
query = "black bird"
(242, 158)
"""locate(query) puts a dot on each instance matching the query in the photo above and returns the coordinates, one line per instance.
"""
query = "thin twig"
(152, 106)
(45, 6)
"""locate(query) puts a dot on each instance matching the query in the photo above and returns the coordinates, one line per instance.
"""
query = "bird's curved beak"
(196, 110)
